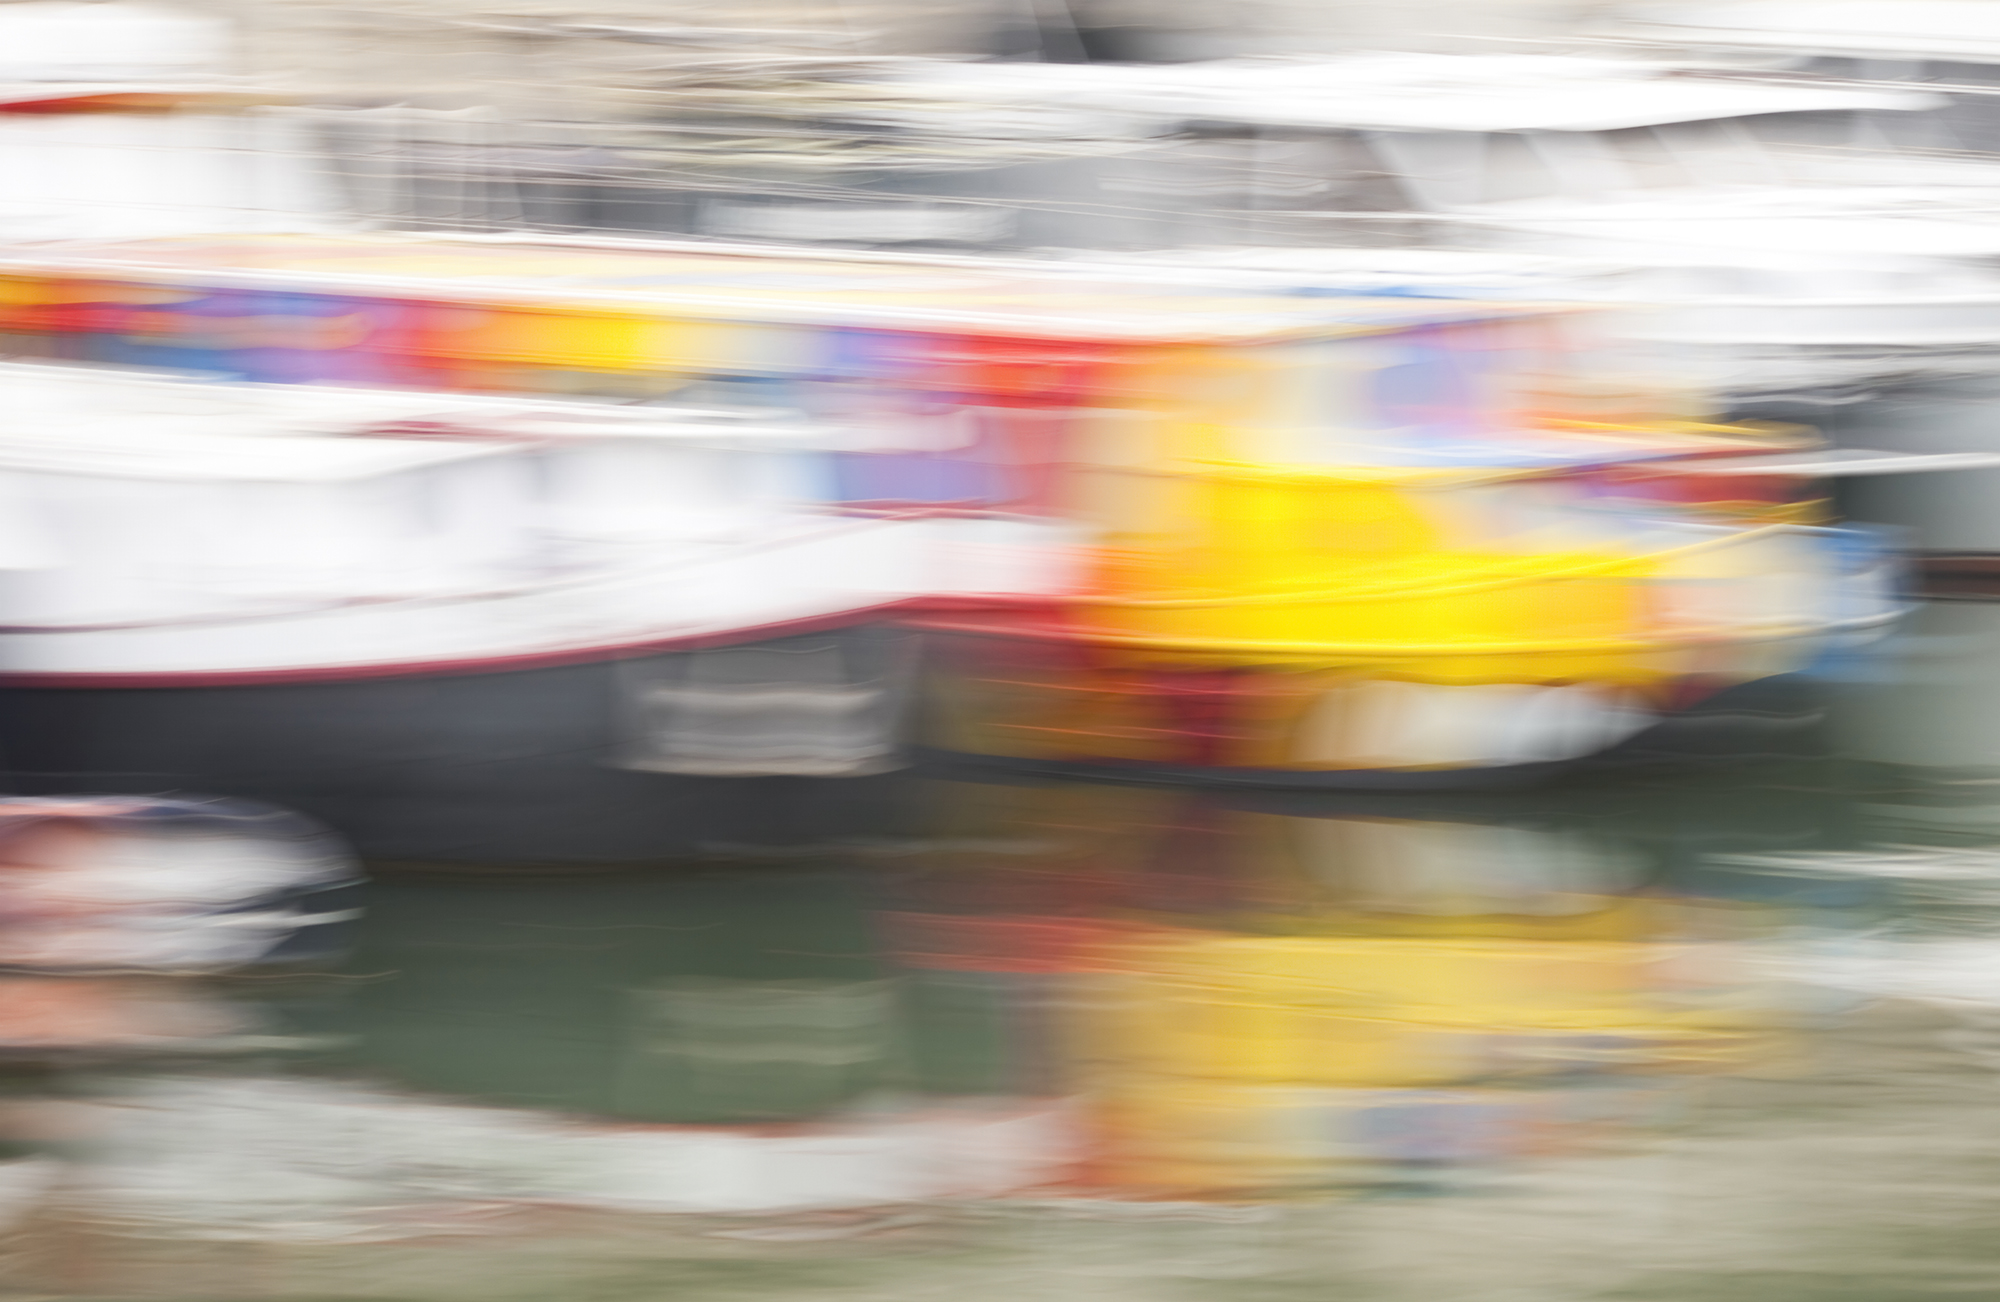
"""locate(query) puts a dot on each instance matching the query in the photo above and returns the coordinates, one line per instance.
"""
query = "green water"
(1860, 1163)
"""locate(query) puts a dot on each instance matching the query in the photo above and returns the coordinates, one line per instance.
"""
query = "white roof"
(1408, 92)
(1946, 29)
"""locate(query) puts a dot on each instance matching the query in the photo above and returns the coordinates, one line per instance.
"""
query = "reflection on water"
(1725, 1035)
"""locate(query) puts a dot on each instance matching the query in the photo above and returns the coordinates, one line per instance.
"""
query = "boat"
(1779, 244)
(1193, 438)
(150, 930)
(152, 884)
(1447, 597)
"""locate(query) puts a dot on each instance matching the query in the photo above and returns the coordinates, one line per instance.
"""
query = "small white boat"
(156, 884)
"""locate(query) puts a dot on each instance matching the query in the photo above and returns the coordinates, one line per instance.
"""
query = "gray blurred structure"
(772, 120)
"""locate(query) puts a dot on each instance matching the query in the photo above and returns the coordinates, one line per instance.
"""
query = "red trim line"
(1042, 621)
(458, 668)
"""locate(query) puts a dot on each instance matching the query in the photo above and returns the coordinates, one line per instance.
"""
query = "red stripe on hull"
(457, 668)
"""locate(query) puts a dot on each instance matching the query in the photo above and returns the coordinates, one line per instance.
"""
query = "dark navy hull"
(499, 767)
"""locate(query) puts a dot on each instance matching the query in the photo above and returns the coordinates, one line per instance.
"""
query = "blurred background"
(1090, 648)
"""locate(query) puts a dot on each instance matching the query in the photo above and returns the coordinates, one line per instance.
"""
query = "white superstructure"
(156, 526)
